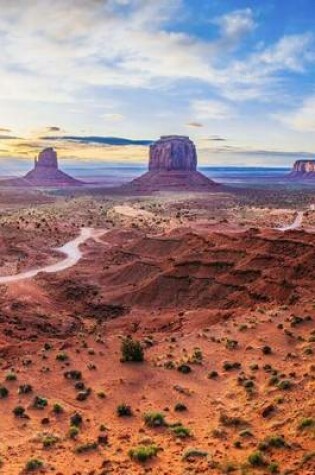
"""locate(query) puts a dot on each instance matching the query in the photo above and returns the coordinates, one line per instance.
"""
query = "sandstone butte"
(44, 173)
(173, 166)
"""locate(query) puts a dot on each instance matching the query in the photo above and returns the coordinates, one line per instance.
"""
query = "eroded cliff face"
(303, 169)
(173, 152)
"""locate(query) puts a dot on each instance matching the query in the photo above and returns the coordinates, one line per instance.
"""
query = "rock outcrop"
(172, 167)
(44, 173)
(304, 169)
(173, 152)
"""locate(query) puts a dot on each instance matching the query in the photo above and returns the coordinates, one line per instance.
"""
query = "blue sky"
(236, 76)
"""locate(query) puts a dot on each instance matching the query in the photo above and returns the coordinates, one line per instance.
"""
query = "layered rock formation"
(303, 169)
(173, 152)
(172, 166)
(45, 173)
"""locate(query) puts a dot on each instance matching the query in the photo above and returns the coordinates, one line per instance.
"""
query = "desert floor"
(221, 301)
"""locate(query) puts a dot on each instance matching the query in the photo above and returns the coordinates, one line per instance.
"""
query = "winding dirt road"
(72, 251)
(297, 223)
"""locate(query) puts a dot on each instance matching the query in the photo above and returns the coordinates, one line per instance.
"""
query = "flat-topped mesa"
(173, 152)
(303, 169)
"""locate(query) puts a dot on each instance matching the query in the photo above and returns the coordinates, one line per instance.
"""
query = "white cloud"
(214, 110)
(48, 54)
(302, 118)
(236, 24)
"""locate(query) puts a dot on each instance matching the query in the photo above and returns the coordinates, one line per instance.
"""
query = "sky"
(237, 76)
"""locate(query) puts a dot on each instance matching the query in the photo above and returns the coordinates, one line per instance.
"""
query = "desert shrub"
(57, 408)
(154, 419)
(306, 423)
(246, 433)
(131, 351)
(123, 410)
(213, 375)
(62, 357)
(39, 402)
(273, 467)
(83, 395)
(180, 407)
(254, 367)
(73, 432)
(229, 365)
(33, 464)
(180, 431)
(11, 377)
(231, 344)
(194, 453)
(87, 447)
(285, 384)
(266, 350)
(231, 421)
(142, 453)
(184, 368)
(76, 419)
(19, 411)
(50, 441)
(4, 392)
(256, 459)
(73, 374)
(274, 441)
(25, 389)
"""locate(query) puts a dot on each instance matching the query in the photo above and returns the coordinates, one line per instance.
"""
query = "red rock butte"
(173, 166)
(47, 173)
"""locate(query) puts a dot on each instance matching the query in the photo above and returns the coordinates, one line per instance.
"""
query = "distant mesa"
(45, 172)
(173, 166)
(303, 169)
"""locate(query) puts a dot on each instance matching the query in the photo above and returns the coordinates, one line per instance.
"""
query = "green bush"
(123, 410)
(256, 459)
(194, 453)
(142, 453)
(131, 351)
(40, 402)
(87, 447)
(4, 392)
(11, 377)
(306, 422)
(73, 432)
(154, 419)
(33, 464)
(57, 408)
(19, 411)
(180, 431)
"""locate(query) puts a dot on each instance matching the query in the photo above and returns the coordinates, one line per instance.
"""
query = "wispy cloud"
(212, 109)
(301, 118)
(194, 125)
(98, 140)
